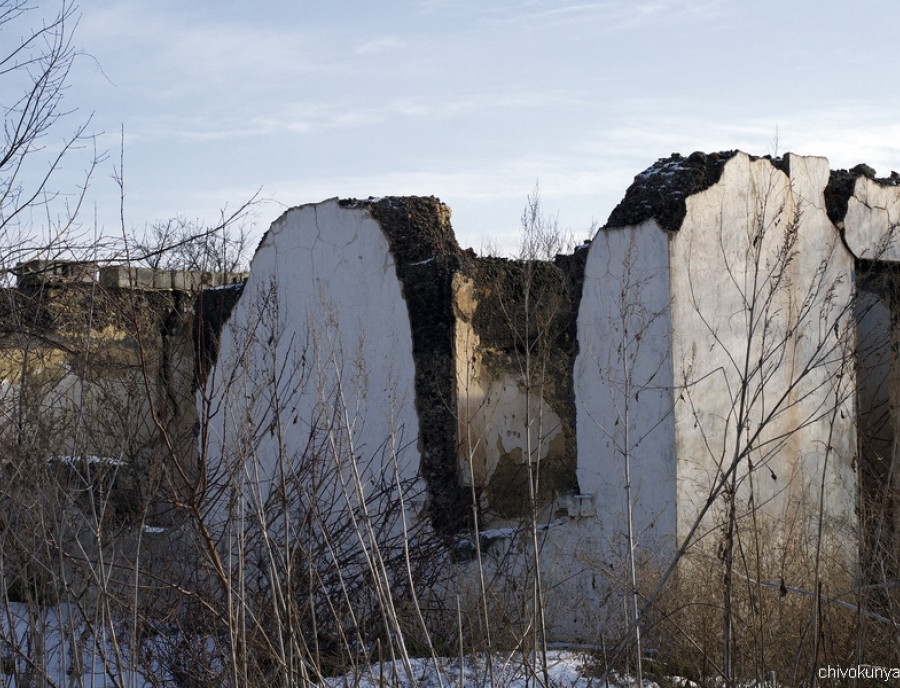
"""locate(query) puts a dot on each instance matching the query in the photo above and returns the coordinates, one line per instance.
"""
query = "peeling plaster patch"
(497, 401)
(514, 357)
(467, 322)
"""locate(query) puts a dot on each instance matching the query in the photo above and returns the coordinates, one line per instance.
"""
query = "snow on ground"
(56, 644)
(564, 670)
(53, 645)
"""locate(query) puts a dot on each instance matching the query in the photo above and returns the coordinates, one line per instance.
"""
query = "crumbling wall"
(96, 366)
(481, 375)
(689, 371)
(493, 341)
(746, 271)
(691, 367)
(427, 256)
(76, 352)
(514, 351)
(98, 421)
(762, 338)
(314, 388)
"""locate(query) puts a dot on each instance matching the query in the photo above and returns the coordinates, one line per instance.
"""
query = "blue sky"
(473, 102)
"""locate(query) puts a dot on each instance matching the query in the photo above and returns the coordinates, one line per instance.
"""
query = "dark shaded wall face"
(877, 314)
(865, 208)
(99, 368)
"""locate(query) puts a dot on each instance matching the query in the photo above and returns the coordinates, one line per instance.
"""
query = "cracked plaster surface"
(871, 223)
(323, 313)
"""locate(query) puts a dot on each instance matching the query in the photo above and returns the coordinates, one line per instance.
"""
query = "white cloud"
(171, 54)
(380, 46)
(469, 101)
(606, 16)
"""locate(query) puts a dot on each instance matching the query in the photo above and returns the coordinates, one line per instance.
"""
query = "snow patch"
(564, 670)
(90, 459)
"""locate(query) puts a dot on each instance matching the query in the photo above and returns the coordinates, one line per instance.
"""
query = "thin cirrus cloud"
(607, 16)
(175, 54)
(300, 118)
(381, 46)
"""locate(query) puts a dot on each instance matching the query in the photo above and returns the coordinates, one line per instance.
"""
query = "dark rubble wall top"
(417, 227)
(659, 192)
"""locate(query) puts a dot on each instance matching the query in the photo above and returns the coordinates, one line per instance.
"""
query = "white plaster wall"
(762, 350)
(870, 225)
(623, 390)
(316, 361)
(582, 594)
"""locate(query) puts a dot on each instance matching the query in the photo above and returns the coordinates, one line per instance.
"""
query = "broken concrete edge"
(426, 256)
(659, 192)
(842, 186)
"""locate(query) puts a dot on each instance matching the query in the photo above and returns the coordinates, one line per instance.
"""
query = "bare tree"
(183, 244)
(34, 72)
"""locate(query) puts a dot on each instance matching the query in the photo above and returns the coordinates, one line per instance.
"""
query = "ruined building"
(692, 370)
(717, 363)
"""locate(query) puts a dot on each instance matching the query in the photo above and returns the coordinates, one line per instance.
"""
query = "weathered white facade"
(623, 390)
(315, 376)
(721, 363)
(762, 344)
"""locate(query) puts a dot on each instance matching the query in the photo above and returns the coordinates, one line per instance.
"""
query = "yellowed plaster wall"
(83, 372)
(501, 424)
